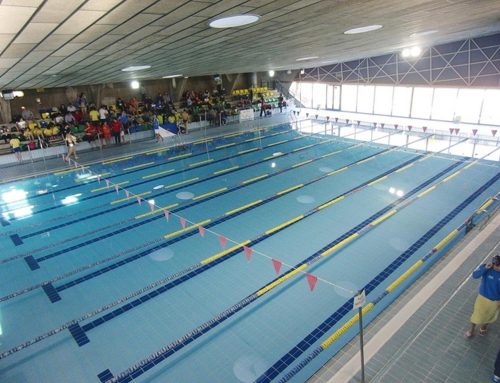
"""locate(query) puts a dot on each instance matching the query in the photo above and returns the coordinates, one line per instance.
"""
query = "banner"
(246, 114)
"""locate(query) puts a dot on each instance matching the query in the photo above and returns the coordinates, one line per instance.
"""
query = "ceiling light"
(302, 71)
(172, 76)
(271, 73)
(307, 58)
(233, 21)
(289, 71)
(415, 51)
(135, 67)
(424, 33)
(135, 84)
(406, 52)
(368, 28)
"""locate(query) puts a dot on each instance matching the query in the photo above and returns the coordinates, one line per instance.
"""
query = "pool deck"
(420, 337)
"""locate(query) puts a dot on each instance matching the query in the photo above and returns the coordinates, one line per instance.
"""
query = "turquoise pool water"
(95, 286)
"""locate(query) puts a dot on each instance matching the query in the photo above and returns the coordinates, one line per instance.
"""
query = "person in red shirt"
(106, 131)
(116, 128)
(90, 134)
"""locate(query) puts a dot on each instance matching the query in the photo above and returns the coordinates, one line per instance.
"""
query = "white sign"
(359, 300)
(246, 114)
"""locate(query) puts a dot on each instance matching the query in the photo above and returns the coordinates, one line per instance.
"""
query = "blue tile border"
(16, 239)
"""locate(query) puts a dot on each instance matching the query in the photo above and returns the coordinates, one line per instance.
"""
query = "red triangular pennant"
(451, 130)
(410, 128)
(277, 265)
(116, 188)
(395, 126)
(182, 221)
(202, 230)
(151, 205)
(248, 253)
(222, 241)
(139, 200)
(424, 128)
(474, 131)
(494, 132)
(166, 213)
(127, 193)
(457, 130)
(99, 178)
(311, 280)
(107, 183)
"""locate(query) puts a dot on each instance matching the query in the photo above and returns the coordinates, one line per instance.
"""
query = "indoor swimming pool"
(231, 259)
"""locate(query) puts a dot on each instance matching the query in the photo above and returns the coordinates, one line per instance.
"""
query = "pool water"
(226, 260)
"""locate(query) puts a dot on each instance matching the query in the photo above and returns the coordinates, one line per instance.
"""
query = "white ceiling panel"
(182, 12)
(23, 3)
(5, 39)
(54, 42)
(68, 49)
(55, 11)
(7, 63)
(165, 6)
(12, 19)
(93, 33)
(17, 50)
(137, 22)
(78, 22)
(35, 32)
(35, 56)
(104, 41)
(125, 11)
(100, 5)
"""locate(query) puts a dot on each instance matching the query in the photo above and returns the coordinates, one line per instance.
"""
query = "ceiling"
(52, 43)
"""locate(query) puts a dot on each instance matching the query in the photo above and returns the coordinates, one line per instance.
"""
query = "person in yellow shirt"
(15, 144)
(94, 116)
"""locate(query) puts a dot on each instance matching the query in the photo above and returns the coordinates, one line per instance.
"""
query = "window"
(401, 101)
(329, 97)
(366, 93)
(383, 100)
(306, 95)
(443, 106)
(336, 97)
(319, 95)
(468, 105)
(422, 103)
(491, 112)
(349, 97)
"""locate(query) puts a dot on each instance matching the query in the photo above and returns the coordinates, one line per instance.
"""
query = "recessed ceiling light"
(271, 73)
(368, 28)
(233, 21)
(135, 84)
(415, 51)
(135, 67)
(423, 33)
(406, 52)
(172, 76)
(307, 58)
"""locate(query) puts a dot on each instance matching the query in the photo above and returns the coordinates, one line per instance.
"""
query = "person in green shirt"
(15, 144)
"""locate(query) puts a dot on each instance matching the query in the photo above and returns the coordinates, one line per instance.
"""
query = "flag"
(182, 220)
(139, 200)
(166, 213)
(202, 230)
(277, 265)
(311, 280)
(248, 252)
(127, 193)
(222, 241)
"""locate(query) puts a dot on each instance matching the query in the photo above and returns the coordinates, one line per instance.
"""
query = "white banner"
(246, 114)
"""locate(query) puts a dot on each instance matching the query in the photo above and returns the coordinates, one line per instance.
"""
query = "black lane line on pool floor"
(279, 366)
(196, 143)
(112, 190)
(228, 253)
(175, 346)
(269, 158)
(256, 240)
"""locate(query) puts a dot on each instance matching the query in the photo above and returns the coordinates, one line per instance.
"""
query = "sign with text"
(359, 300)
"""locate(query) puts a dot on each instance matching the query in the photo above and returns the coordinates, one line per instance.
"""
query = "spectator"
(103, 114)
(26, 114)
(15, 144)
(116, 128)
(5, 134)
(280, 102)
(106, 131)
(94, 116)
(81, 101)
(487, 302)
(262, 106)
(69, 118)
